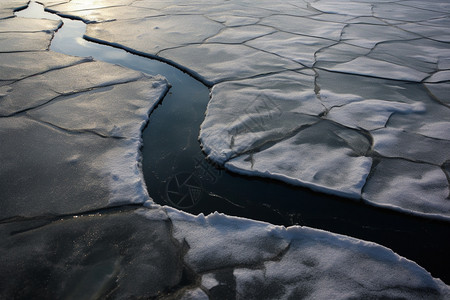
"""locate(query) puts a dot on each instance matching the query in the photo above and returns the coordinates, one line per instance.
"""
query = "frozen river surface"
(346, 98)
(347, 102)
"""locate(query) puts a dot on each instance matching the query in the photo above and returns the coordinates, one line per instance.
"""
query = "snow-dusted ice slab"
(37, 90)
(390, 49)
(24, 41)
(324, 157)
(274, 106)
(371, 114)
(301, 49)
(409, 186)
(28, 25)
(102, 111)
(71, 134)
(48, 171)
(7, 7)
(244, 259)
(18, 34)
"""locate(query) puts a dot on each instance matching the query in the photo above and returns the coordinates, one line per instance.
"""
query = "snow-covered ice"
(400, 183)
(390, 48)
(333, 162)
(70, 138)
(69, 120)
(252, 260)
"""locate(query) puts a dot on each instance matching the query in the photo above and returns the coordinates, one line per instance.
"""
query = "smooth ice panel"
(394, 143)
(233, 63)
(317, 157)
(157, 33)
(407, 186)
(245, 115)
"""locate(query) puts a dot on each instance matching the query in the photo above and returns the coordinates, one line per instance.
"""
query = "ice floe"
(9, 6)
(62, 137)
(333, 161)
(18, 34)
(400, 184)
(249, 259)
(152, 35)
(391, 142)
(301, 49)
(116, 254)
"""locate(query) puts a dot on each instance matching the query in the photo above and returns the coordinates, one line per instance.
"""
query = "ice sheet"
(333, 161)
(89, 256)
(19, 34)
(71, 133)
(248, 259)
(377, 68)
(68, 168)
(390, 48)
(409, 186)
(37, 90)
(152, 35)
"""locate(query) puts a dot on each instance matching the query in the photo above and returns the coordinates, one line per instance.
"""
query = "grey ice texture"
(70, 137)
(70, 127)
(314, 93)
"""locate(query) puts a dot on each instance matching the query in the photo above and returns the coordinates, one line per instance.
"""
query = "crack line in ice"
(63, 95)
(269, 143)
(75, 63)
(77, 131)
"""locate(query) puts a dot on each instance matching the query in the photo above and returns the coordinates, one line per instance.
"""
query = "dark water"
(177, 174)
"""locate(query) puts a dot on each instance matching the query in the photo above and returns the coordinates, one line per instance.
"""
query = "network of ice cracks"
(294, 87)
(350, 98)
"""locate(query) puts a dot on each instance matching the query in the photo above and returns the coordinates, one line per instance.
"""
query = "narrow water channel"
(177, 174)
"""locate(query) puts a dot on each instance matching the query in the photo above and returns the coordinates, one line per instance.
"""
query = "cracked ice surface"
(66, 120)
(277, 67)
(159, 251)
(69, 144)
(22, 35)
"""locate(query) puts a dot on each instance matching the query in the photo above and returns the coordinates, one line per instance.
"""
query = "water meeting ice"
(369, 68)
(347, 99)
